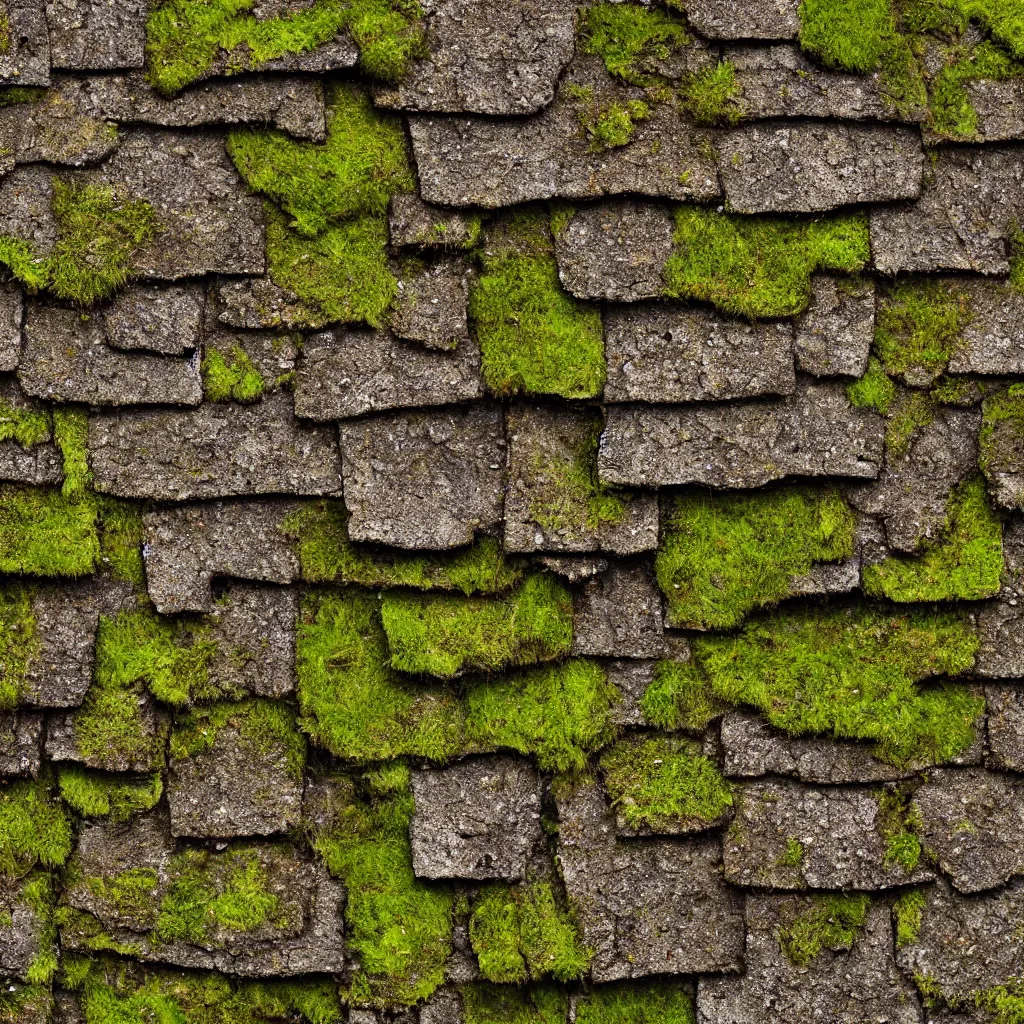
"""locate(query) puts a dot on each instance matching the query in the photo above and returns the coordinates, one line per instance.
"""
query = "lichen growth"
(98, 795)
(534, 337)
(907, 912)
(664, 784)
(663, 1001)
(484, 1003)
(831, 922)
(237, 380)
(721, 556)
(34, 828)
(44, 533)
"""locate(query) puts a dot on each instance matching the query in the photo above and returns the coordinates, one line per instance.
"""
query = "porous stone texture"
(759, 19)
(39, 463)
(21, 742)
(992, 342)
(25, 212)
(424, 479)
(26, 57)
(431, 305)
(22, 928)
(97, 35)
(156, 318)
(833, 338)
(1005, 722)
(618, 615)
(412, 222)
(478, 819)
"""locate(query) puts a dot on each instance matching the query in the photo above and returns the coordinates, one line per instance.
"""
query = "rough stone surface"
(88, 35)
(412, 222)
(165, 319)
(21, 929)
(839, 831)
(675, 353)
(477, 819)
(40, 464)
(993, 340)
(212, 452)
(424, 479)
(27, 57)
(25, 212)
(21, 742)
(618, 615)
(758, 19)
(1001, 623)
(431, 305)
(814, 432)
(804, 168)
(833, 338)
(11, 307)
(257, 302)
(1005, 723)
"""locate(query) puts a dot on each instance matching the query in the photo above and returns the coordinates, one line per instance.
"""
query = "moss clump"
(713, 96)
(503, 1004)
(43, 533)
(444, 635)
(793, 855)
(19, 643)
(34, 828)
(185, 39)
(1002, 430)
(237, 380)
(665, 785)
(633, 41)
(121, 537)
(534, 337)
(354, 173)
(722, 556)
(26, 426)
(608, 125)
(911, 412)
(898, 822)
(874, 390)
(759, 266)
(97, 795)
(831, 922)
(266, 727)
(637, 1002)
(524, 933)
(352, 702)
(964, 562)
(21, 1003)
(907, 912)
(327, 555)
(920, 324)
(71, 435)
(851, 673)
(398, 926)
(680, 697)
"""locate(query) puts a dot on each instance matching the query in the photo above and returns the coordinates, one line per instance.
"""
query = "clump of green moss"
(534, 337)
(444, 635)
(28, 427)
(19, 643)
(327, 555)
(38, 892)
(44, 533)
(523, 933)
(680, 696)
(874, 389)
(607, 125)
(911, 412)
(1002, 18)
(665, 785)
(851, 673)
(633, 41)
(759, 266)
(186, 38)
(1002, 429)
(237, 380)
(713, 96)
(34, 828)
(793, 855)
(71, 435)
(121, 537)
(964, 562)
(399, 926)
(98, 795)
(907, 912)
(721, 556)
(20, 1003)
(898, 823)
(484, 1003)
(637, 1002)
(831, 922)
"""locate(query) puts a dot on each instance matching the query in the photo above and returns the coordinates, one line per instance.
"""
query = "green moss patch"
(101, 795)
(71, 435)
(633, 41)
(19, 643)
(534, 336)
(759, 266)
(907, 912)
(444, 635)
(44, 533)
(898, 823)
(484, 1003)
(873, 390)
(1002, 431)
(607, 125)
(713, 96)
(851, 673)
(34, 828)
(964, 562)
(121, 537)
(721, 556)
(680, 697)
(832, 922)
(637, 1002)
(232, 378)
(664, 785)
(26, 426)
(523, 933)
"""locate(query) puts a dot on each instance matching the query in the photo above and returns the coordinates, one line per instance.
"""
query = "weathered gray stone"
(26, 60)
(807, 167)
(1005, 721)
(999, 106)
(844, 985)
(839, 832)
(484, 162)
(40, 463)
(971, 819)
(351, 371)
(209, 222)
(55, 131)
(186, 546)
(431, 305)
(26, 210)
(547, 508)
(443, 1007)
(833, 338)
(424, 479)
(487, 57)
(240, 785)
(22, 927)
(971, 202)
(782, 81)
(21, 742)
(574, 567)
(1001, 623)
(414, 222)
(215, 451)
(157, 318)
(478, 819)
(618, 615)
(90, 35)
(272, 354)
(993, 340)
(755, 19)
(616, 251)
(646, 906)
(66, 359)
(913, 489)
(256, 302)
(814, 432)
(11, 306)
(674, 353)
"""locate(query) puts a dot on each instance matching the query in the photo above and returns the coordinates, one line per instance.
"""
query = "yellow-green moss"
(831, 922)
(633, 41)
(874, 389)
(237, 380)
(680, 696)
(721, 556)
(907, 912)
(664, 784)
(28, 427)
(44, 533)
(485, 1003)
(1002, 431)
(121, 537)
(713, 96)
(71, 435)
(34, 828)
(659, 1001)
(19, 643)
(534, 336)
(99, 795)
(898, 823)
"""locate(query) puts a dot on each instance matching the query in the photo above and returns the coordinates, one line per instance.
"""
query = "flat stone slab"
(844, 985)
(833, 337)
(348, 372)
(26, 210)
(215, 451)
(477, 819)
(21, 742)
(156, 318)
(425, 480)
(549, 450)
(646, 906)
(839, 833)
(971, 201)
(97, 35)
(412, 222)
(999, 106)
(674, 353)
(809, 167)
(993, 340)
(487, 57)
(22, 928)
(11, 306)
(757, 19)
(1005, 724)
(814, 432)
(27, 60)
(618, 615)
(432, 304)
